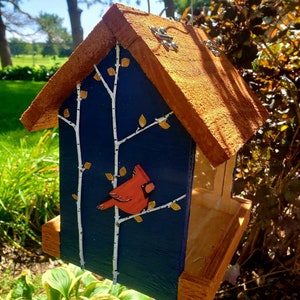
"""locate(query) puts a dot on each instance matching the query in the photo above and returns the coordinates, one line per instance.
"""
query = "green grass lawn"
(30, 60)
(16, 96)
(28, 176)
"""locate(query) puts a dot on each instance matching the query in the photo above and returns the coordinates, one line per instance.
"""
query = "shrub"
(35, 73)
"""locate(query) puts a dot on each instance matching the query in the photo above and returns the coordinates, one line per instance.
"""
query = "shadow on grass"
(16, 96)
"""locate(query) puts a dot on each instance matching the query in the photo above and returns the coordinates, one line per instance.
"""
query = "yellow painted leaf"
(142, 121)
(125, 62)
(109, 176)
(74, 196)
(139, 219)
(111, 71)
(66, 113)
(151, 204)
(122, 171)
(83, 94)
(97, 77)
(175, 206)
(164, 125)
(87, 165)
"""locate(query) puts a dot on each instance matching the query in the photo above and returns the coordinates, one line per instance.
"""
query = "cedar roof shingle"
(206, 92)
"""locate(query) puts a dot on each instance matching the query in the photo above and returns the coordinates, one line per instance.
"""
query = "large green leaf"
(104, 297)
(133, 295)
(95, 288)
(88, 278)
(59, 279)
(52, 294)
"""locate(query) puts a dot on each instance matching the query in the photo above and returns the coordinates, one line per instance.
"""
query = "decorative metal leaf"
(122, 171)
(139, 219)
(175, 206)
(66, 113)
(74, 196)
(111, 71)
(164, 125)
(125, 62)
(109, 176)
(151, 204)
(87, 165)
(142, 121)
(83, 94)
(97, 77)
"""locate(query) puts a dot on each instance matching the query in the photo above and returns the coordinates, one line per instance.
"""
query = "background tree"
(51, 25)
(17, 46)
(75, 14)
(76, 28)
(4, 46)
(12, 18)
(198, 6)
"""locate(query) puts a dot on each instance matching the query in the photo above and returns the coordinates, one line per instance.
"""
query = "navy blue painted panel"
(151, 253)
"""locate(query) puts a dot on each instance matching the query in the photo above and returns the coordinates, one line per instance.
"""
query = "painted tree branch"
(81, 169)
(117, 143)
(140, 130)
(144, 212)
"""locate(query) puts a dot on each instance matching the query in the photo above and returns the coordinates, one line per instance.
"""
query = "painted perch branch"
(167, 205)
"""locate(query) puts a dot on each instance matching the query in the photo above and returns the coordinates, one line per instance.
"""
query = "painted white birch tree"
(161, 121)
(82, 167)
(113, 178)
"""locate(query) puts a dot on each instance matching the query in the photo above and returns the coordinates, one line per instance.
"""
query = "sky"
(89, 17)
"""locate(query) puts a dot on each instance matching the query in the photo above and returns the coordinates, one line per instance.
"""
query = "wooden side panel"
(191, 287)
(216, 225)
(51, 238)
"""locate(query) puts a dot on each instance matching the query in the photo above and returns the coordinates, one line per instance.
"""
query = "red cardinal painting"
(133, 195)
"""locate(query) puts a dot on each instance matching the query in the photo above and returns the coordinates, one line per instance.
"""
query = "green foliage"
(17, 47)
(198, 5)
(35, 73)
(261, 38)
(73, 283)
(28, 186)
(23, 288)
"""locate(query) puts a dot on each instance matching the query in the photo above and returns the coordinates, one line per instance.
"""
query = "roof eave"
(42, 113)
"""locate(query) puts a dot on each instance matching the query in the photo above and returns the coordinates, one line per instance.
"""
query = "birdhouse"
(150, 116)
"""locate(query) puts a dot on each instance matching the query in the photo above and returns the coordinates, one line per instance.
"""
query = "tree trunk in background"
(170, 8)
(75, 13)
(4, 46)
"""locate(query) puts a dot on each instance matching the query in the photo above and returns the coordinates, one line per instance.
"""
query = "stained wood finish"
(205, 92)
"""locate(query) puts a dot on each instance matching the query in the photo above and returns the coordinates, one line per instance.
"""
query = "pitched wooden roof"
(206, 93)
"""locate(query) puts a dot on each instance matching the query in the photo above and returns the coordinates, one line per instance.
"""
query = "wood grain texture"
(205, 92)
(216, 225)
(43, 111)
(51, 238)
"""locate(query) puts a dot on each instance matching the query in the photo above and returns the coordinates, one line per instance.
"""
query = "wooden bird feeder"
(150, 117)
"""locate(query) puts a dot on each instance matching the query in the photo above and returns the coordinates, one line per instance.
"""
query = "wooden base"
(211, 248)
(216, 225)
(51, 238)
